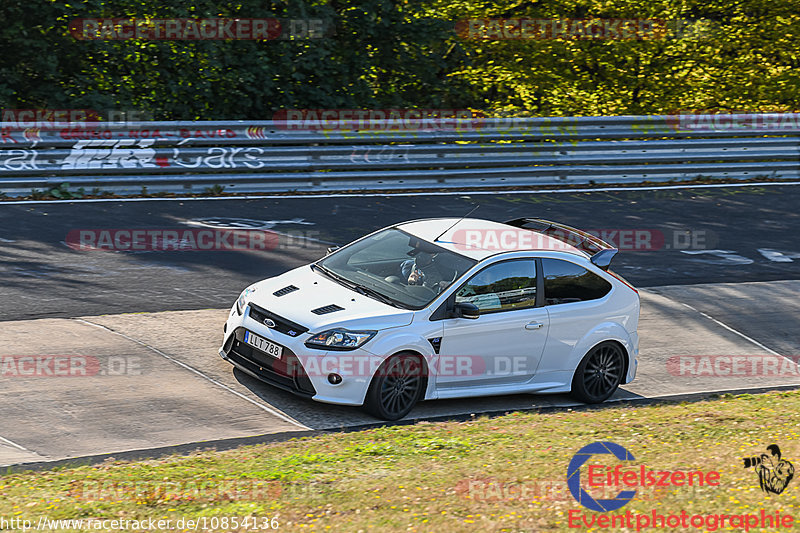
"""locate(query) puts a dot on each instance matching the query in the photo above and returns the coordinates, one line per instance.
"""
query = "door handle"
(534, 325)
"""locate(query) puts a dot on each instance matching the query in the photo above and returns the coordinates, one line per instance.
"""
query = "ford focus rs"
(443, 308)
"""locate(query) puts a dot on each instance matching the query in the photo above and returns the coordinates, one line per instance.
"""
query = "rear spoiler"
(600, 252)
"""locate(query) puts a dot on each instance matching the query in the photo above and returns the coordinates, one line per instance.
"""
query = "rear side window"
(566, 282)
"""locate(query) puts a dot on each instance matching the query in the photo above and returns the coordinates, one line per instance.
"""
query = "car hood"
(319, 302)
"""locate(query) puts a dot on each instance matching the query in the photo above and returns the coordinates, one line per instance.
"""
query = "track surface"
(161, 384)
(41, 277)
(734, 293)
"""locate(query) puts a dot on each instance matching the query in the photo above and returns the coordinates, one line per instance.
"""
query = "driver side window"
(502, 287)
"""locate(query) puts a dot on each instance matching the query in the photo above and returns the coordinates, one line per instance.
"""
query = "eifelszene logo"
(574, 477)
(607, 466)
(774, 473)
(624, 477)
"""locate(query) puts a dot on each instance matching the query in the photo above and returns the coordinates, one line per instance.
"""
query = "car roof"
(478, 239)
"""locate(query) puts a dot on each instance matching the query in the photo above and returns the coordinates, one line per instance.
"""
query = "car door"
(504, 345)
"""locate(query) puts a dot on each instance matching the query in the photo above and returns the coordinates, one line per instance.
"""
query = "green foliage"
(405, 445)
(743, 58)
(60, 192)
(403, 54)
(97, 191)
(214, 190)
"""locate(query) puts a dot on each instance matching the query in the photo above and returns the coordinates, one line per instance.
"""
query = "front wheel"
(599, 374)
(396, 387)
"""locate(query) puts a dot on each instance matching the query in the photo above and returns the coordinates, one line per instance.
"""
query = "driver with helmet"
(423, 270)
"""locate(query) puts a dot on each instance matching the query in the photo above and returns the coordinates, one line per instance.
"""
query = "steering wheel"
(424, 287)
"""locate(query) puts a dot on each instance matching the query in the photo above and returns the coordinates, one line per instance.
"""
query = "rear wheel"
(599, 374)
(396, 387)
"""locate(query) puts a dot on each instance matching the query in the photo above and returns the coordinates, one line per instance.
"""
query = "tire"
(396, 388)
(600, 373)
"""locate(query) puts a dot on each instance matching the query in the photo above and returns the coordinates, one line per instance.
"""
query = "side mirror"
(332, 249)
(466, 310)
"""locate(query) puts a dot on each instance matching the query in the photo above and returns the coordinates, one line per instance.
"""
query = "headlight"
(339, 339)
(241, 303)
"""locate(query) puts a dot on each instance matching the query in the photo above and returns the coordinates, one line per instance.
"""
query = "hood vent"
(324, 310)
(284, 291)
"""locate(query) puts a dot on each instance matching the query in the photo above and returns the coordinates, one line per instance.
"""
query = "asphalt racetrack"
(719, 270)
(736, 220)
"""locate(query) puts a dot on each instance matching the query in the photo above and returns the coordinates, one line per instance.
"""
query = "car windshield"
(396, 267)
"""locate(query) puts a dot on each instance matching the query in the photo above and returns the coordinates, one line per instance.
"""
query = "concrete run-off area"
(118, 383)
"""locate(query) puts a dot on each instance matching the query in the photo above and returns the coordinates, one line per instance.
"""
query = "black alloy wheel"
(599, 374)
(396, 387)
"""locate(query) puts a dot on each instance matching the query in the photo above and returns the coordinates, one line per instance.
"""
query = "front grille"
(287, 327)
(324, 310)
(286, 373)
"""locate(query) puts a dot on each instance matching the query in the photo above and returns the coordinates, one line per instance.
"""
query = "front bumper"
(301, 370)
(286, 373)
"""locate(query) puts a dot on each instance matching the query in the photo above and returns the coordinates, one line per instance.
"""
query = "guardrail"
(189, 157)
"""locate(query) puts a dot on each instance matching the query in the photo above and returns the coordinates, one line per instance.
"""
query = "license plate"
(269, 348)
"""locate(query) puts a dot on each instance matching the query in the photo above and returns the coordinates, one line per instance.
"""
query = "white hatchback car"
(443, 308)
